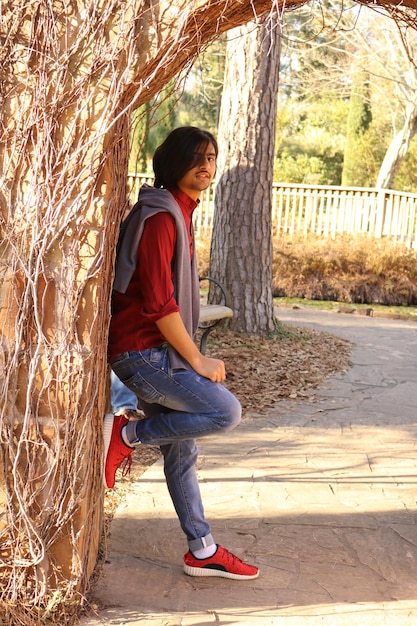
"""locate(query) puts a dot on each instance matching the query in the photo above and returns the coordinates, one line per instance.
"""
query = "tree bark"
(241, 251)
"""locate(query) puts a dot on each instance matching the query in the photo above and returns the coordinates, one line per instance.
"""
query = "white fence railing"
(324, 210)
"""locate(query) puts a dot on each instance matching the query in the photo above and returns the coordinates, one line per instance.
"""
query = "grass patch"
(285, 333)
(329, 305)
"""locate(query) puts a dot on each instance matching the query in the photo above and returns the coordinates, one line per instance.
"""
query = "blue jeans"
(121, 396)
(179, 406)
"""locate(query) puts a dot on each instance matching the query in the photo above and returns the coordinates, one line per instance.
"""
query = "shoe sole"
(107, 431)
(205, 571)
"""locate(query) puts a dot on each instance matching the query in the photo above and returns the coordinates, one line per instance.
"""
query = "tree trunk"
(398, 149)
(241, 252)
(68, 81)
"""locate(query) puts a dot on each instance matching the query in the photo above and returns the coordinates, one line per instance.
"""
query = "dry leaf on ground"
(261, 371)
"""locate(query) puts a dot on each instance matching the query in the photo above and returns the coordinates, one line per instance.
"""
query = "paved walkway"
(321, 494)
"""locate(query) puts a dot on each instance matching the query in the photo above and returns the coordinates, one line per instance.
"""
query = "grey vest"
(186, 288)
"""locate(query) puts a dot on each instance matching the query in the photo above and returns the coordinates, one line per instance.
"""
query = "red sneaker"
(223, 563)
(115, 450)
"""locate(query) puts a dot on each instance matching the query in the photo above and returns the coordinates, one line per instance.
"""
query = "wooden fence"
(324, 210)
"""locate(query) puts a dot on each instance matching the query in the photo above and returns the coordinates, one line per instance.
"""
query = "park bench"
(212, 314)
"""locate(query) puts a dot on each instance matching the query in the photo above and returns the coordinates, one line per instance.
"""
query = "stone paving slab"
(320, 494)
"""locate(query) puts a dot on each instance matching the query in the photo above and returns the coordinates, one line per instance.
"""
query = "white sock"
(205, 553)
(124, 437)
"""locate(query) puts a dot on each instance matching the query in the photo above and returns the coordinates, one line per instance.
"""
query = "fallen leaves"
(287, 365)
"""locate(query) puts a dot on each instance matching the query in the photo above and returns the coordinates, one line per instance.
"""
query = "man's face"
(200, 176)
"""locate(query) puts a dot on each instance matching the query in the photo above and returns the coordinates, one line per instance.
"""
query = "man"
(155, 312)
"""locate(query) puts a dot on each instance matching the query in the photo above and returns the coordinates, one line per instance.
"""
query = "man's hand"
(213, 369)
(173, 329)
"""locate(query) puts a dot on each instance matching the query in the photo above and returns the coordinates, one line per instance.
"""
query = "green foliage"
(357, 145)
(151, 123)
(140, 144)
(406, 178)
(360, 114)
(360, 167)
(310, 141)
(306, 169)
(199, 104)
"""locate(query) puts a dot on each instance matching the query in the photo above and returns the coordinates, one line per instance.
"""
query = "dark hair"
(180, 151)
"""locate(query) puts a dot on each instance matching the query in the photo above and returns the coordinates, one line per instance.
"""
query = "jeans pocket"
(145, 373)
(144, 389)
(158, 357)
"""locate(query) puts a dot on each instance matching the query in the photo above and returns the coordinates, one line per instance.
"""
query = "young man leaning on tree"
(155, 312)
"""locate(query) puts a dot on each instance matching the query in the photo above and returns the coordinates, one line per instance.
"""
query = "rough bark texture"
(241, 253)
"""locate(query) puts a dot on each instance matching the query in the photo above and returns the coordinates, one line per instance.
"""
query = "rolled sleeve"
(155, 259)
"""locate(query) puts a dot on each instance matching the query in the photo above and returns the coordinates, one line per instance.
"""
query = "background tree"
(358, 122)
(151, 123)
(200, 101)
(310, 139)
(241, 251)
(312, 100)
(323, 48)
(404, 128)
